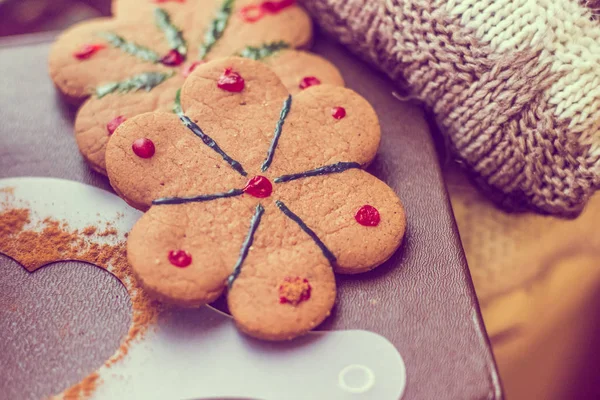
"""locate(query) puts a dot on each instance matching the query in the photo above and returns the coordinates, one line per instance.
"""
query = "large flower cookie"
(255, 190)
(136, 62)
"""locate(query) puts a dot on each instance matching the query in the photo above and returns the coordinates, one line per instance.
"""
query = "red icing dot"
(308, 81)
(259, 186)
(87, 50)
(112, 126)
(172, 59)
(273, 7)
(180, 258)
(188, 69)
(294, 290)
(338, 112)
(231, 81)
(367, 216)
(143, 147)
(251, 13)
(254, 12)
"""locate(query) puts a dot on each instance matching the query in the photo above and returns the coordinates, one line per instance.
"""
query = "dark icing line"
(173, 35)
(278, 127)
(327, 169)
(288, 213)
(132, 48)
(246, 245)
(201, 198)
(211, 143)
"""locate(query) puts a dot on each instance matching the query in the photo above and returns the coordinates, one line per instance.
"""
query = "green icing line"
(217, 26)
(266, 50)
(134, 49)
(146, 81)
(173, 35)
(177, 106)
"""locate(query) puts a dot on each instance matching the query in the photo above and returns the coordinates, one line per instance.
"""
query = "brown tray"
(422, 299)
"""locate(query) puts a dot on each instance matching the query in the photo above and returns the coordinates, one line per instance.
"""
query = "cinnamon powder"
(51, 241)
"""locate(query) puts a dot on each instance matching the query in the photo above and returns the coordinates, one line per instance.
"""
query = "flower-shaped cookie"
(256, 190)
(136, 62)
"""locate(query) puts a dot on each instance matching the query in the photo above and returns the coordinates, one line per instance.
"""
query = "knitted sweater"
(514, 85)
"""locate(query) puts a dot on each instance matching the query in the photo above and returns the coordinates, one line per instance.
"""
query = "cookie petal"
(78, 78)
(281, 254)
(292, 66)
(242, 122)
(91, 130)
(328, 205)
(210, 232)
(313, 136)
(182, 164)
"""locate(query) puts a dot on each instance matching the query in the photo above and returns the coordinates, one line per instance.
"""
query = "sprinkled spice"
(51, 240)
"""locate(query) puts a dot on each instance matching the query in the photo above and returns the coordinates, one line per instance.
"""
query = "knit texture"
(514, 85)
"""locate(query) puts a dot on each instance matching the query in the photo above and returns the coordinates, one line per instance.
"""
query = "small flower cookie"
(136, 62)
(256, 191)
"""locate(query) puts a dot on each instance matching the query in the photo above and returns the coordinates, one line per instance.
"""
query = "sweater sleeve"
(514, 85)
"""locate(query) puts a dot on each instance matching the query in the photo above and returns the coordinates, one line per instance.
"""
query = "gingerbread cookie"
(100, 115)
(252, 189)
(136, 62)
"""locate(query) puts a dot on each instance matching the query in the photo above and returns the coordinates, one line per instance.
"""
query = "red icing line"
(172, 59)
(112, 126)
(289, 281)
(143, 147)
(259, 186)
(338, 112)
(180, 258)
(255, 12)
(87, 50)
(231, 81)
(309, 81)
(188, 69)
(367, 216)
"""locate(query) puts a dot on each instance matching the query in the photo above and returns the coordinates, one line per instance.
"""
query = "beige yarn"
(514, 84)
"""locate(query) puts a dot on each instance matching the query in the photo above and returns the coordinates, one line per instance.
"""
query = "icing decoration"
(173, 35)
(134, 49)
(201, 198)
(338, 112)
(367, 216)
(231, 81)
(146, 81)
(255, 12)
(172, 59)
(246, 245)
(266, 50)
(278, 127)
(294, 290)
(112, 126)
(180, 258)
(259, 186)
(87, 50)
(143, 147)
(188, 69)
(212, 144)
(217, 26)
(308, 81)
(327, 169)
(288, 213)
